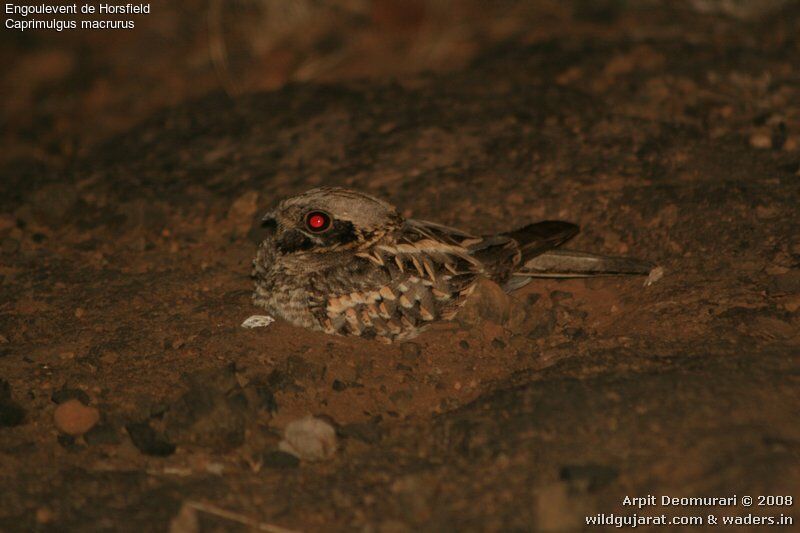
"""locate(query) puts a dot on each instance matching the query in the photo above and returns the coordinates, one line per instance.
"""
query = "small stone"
(761, 140)
(310, 439)
(79, 312)
(792, 305)
(656, 274)
(74, 418)
(258, 321)
(44, 515)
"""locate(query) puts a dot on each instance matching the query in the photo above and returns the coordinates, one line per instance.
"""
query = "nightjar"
(347, 263)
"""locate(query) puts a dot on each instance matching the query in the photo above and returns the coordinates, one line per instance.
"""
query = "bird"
(347, 263)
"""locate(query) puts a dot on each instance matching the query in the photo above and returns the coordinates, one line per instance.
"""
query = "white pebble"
(656, 274)
(258, 321)
(309, 438)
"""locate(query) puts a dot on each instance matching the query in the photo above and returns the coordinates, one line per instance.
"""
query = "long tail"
(574, 264)
(541, 259)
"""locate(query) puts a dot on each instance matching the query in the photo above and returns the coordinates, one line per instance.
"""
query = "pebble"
(258, 321)
(310, 439)
(761, 140)
(44, 515)
(74, 418)
(656, 274)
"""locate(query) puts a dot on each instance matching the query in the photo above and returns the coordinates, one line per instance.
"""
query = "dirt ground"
(668, 133)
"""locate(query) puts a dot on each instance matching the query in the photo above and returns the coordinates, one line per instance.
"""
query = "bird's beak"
(268, 220)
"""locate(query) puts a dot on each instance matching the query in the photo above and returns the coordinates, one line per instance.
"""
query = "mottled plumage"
(347, 263)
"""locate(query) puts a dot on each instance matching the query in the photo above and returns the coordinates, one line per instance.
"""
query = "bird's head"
(329, 219)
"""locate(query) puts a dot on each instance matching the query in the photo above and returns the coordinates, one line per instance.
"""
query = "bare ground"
(667, 135)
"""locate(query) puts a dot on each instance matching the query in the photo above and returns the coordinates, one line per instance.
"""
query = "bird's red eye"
(317, 221)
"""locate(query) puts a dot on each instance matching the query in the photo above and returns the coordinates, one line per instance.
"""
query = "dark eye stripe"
(342, 232)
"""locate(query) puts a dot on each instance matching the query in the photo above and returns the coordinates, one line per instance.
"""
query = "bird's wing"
(539, 237)
(498, 255)
(421, 275)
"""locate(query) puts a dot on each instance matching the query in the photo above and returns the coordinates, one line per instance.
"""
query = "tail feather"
(570, 263)
(539, 257)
